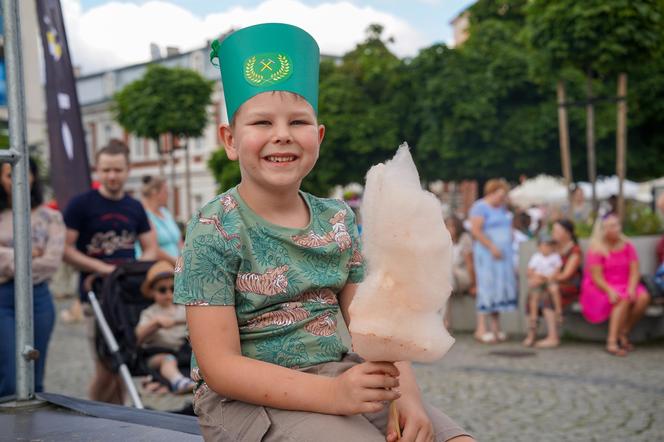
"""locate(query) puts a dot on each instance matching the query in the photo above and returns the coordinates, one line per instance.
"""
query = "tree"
(477, 113)
(363, 103)
(226, 172)
(165, 101)
(601, 38)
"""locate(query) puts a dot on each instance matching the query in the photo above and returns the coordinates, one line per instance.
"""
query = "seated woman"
(163, 326)
(610, 288)
(463, 274)
(568, 280)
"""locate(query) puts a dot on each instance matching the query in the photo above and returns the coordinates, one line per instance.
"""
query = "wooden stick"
(563, 130)
(395, 417)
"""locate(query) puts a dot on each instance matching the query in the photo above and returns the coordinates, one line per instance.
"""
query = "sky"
(104, 34)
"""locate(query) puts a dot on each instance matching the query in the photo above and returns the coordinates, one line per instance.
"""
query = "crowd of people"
(98, 230)
(105, 227)
(605, 280)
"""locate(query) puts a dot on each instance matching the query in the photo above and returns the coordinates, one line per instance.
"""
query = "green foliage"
(164, 100)
(641, 220)
(226, 172)
(601, 38)
(488, 108)
(476, 112)
(604, 36)
(364, 102)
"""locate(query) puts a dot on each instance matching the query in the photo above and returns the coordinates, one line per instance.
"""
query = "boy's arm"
(147, 325)
(215, 340)
(345, 297)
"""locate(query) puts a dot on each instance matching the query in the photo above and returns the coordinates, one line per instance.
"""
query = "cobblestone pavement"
(499, 392)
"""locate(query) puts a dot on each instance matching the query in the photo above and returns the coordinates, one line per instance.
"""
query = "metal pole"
(171, 195)
(187, 171)
(25, 353)
(115, 348)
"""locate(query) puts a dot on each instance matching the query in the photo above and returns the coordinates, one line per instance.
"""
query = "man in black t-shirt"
(102, 228)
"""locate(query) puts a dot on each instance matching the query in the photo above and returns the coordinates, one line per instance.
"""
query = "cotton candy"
(396, 314)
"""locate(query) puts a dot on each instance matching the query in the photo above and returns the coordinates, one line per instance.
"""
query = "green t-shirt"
(283, 282)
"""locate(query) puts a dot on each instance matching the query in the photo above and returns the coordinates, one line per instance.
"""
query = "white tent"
(543, 189)
(608, 186)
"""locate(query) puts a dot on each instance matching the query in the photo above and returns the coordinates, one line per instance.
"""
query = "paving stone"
(576, 392)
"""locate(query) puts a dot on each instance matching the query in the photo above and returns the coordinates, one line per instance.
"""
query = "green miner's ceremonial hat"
(267, 57)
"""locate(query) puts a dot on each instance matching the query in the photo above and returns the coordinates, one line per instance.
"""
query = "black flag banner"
(70, 169)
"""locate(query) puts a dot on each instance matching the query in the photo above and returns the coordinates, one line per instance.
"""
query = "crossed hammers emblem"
(266, 64)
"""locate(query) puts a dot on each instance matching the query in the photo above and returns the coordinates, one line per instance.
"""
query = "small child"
(542, 268)
(163, 326)
(266, 270)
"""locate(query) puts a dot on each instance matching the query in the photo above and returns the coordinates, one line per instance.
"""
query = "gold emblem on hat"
(266, 69)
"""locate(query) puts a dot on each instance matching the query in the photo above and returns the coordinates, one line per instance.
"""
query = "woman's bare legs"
(481, 333)
(633, 314)
(616, 323)
(495, 327)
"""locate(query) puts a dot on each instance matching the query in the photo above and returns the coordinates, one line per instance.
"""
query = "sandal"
(615, 350)
(501, 336)
(183, 386)
(529, 341)
(547, 343)
(485, 338)
(150, 385)
(625, 344)
(531, 334)
(559, 318)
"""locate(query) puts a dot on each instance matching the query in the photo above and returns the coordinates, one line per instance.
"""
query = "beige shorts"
(234, 421)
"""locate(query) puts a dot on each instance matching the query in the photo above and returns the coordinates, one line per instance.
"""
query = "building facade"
(95, 94)
(35, 109)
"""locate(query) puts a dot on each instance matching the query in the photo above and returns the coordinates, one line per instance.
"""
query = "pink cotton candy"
(396, 314)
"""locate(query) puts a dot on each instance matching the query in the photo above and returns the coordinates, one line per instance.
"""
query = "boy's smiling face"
(276, 138)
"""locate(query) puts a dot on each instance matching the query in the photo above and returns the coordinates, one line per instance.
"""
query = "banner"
(70, 168)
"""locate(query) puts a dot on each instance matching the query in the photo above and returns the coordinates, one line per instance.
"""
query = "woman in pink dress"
(610, 288)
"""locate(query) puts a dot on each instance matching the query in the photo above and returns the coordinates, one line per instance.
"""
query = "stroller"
(117, 303)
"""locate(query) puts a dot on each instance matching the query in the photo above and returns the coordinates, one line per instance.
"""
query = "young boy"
(162, 326)
(542, 267)
(266, 269)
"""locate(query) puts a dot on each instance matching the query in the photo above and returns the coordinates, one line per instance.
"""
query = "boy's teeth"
(280, 159)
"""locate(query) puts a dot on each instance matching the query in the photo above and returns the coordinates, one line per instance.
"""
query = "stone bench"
(651, 326)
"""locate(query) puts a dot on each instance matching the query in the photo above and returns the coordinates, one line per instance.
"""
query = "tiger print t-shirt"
(283, 282)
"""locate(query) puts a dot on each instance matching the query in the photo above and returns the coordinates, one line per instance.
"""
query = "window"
(108, 133)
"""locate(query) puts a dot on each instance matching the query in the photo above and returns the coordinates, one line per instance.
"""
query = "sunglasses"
(164, 290)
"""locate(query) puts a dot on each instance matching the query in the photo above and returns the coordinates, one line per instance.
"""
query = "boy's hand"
(365, 388)
(165, 321)
(534, 281)
(413, 420)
